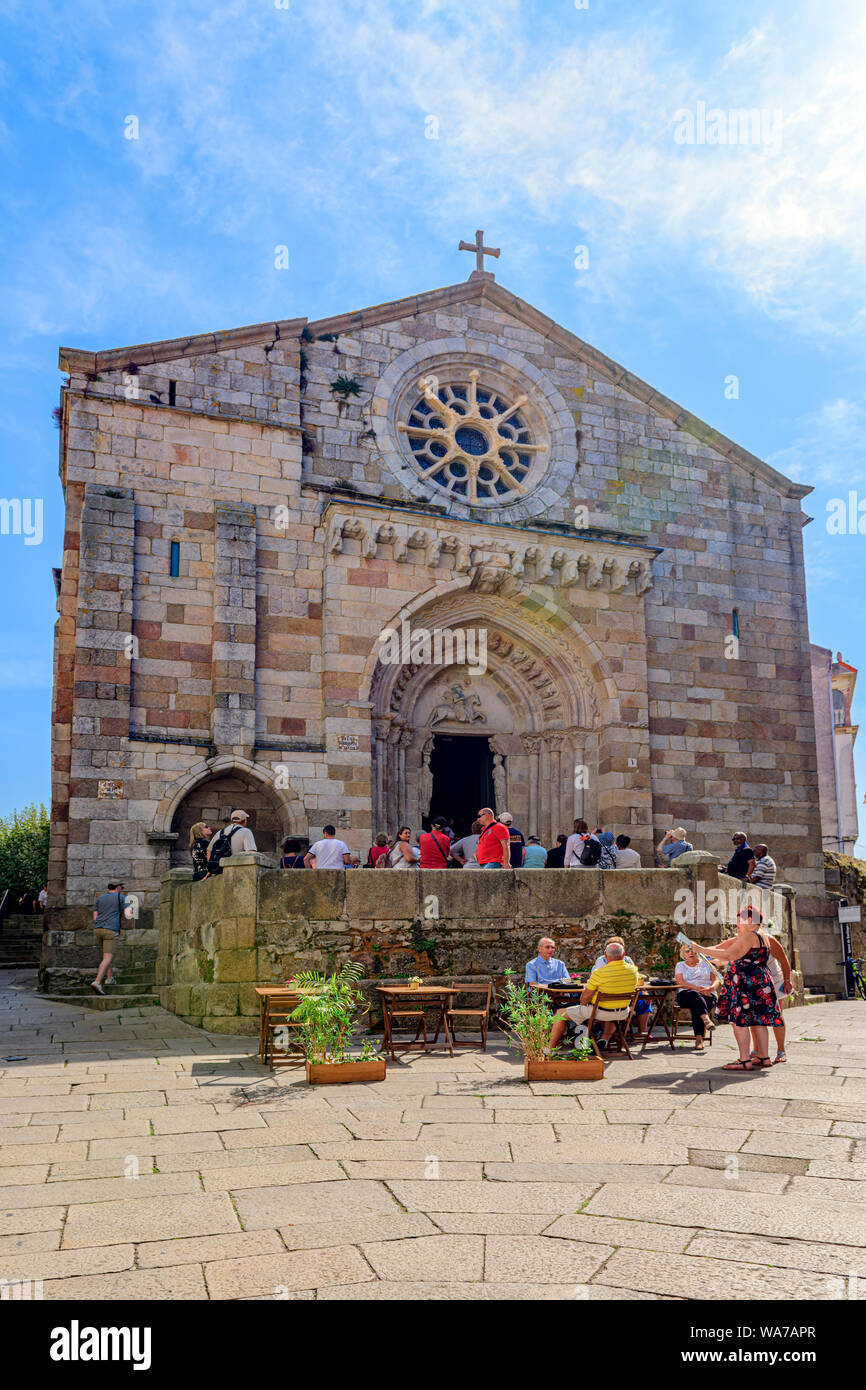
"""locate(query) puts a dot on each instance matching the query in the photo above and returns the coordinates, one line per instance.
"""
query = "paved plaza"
(144, 1159)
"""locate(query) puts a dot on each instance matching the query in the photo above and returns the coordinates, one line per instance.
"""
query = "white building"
(832, 692)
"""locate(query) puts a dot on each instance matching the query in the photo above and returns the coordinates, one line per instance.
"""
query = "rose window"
(469, 441)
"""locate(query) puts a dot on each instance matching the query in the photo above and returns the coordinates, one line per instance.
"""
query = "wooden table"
(658, 995)
(428, 996)
(266, 992)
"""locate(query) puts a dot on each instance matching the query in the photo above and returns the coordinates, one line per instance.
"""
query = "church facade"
(413, 560)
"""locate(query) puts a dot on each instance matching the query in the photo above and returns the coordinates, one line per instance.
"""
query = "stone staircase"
(20, 940)
(69, 961)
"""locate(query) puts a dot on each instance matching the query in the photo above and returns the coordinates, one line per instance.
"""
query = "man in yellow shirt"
(616, 977)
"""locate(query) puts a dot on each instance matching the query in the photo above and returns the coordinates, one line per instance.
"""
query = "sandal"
(699, 1045)
(781, 1056)
(765, 1062)
(740, 1065)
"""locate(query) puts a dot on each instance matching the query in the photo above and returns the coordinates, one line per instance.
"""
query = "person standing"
(607, 859)
(556, 853)
(626, 858)
(199, 839)
(582, 850)
(673, 844)
(780, 973)
(376, 850)
(107, 914)
(292, 856)
(403, 854)
(493, 842)
(329, 852)
(234, 838)
(516, 840)
(435, 846)
(748, 1000)
(534, 855)
(43, 898)
(464, 850)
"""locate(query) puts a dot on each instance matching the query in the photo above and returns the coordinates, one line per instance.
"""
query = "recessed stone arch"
(542, 701)
(213, 788)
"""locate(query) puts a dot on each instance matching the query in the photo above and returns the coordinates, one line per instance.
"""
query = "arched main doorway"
(516, 727)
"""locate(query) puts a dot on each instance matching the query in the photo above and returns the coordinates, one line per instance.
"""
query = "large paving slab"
(451, 1180)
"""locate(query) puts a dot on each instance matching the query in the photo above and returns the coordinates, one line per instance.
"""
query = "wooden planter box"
(590, 1070)
(333, 1073)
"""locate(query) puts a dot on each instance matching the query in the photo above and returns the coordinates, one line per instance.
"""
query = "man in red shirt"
(435, 846)
(493, 845)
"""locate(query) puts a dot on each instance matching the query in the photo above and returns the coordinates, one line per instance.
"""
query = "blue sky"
(309, 125)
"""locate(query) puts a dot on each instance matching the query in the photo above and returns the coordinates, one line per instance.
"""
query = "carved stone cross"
(479, 273)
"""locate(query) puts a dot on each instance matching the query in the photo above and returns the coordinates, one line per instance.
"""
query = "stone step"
(107, 1003)
(814, 998)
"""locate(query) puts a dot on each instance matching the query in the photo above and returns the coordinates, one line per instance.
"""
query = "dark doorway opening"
(462, 769)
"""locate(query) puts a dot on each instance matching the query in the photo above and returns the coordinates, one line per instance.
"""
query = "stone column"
(532, 743)
(234, 640)
(556, 745)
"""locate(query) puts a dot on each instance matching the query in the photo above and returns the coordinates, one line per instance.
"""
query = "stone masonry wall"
(235, 448)
(258, 925)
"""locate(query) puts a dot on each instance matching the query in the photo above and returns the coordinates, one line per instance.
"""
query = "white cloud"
(828, 449)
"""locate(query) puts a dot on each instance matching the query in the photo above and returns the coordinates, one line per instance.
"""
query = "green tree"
(24, 850)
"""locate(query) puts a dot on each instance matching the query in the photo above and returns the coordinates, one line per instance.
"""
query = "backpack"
(590, 854)
(220, 849)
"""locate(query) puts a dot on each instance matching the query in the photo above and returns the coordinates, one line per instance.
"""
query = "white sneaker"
(94, 985)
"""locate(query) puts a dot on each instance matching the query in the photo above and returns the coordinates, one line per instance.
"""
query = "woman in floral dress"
(748, 1000)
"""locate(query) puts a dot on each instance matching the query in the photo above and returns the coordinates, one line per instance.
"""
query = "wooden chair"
(620, 1025)
(481, 1014)
(678, 1014)
(280, 1048)
(401, 1007)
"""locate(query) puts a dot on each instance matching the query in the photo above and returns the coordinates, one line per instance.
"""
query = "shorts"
(107, 939)
(492, 865)
(642, 1006)
(580, 1012)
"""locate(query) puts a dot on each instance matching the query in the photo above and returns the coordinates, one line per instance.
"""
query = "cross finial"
(479, 273)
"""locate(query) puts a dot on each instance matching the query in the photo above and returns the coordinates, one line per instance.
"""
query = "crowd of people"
(493, 842)
(757, 974)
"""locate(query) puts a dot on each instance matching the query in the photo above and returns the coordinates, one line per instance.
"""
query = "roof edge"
(147, 354)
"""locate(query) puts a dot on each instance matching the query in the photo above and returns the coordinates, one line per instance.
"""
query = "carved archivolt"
(531, 669)
(506, 568)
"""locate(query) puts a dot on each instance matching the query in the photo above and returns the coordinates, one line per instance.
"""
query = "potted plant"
(328, 1013)
(526, 1017)
(415, 982)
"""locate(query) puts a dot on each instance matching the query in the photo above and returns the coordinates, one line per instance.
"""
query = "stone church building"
(414, 559)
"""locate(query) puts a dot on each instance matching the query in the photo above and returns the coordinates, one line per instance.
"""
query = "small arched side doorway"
(213, 801)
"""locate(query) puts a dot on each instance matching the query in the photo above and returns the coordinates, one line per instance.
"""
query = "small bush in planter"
(328, 1014)
(526, 1017)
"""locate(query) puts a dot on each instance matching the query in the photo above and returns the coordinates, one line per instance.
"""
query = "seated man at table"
(615, 978)
(642, 1007)
(545, 969)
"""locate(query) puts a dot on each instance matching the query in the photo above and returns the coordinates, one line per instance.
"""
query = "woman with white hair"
(696, 981)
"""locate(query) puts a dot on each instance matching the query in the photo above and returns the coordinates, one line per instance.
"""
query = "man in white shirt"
(626, 858)
(329, 852)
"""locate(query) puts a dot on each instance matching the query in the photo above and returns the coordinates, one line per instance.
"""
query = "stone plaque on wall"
(348, 743)
(108, 789)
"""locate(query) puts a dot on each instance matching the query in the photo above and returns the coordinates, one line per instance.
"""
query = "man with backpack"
(108, 911)
(234, 838)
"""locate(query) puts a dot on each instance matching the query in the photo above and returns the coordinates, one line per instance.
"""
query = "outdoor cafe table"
(266, 992)
(658, 997)
(436, 997)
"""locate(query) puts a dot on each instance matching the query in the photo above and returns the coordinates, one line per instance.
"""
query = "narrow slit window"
(735, 622)
(174, 562)
(172, 392)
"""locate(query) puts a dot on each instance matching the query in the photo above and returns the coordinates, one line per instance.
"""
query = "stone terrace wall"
(258, 925)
